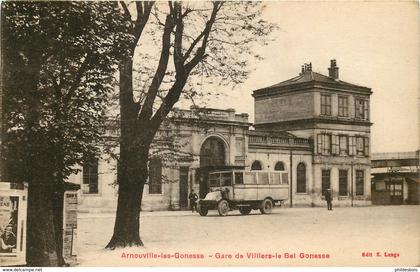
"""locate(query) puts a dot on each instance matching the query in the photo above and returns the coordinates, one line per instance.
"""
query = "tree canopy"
(59, 64)
(59, 69)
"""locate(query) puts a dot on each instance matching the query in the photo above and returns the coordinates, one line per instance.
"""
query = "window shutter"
(366, 109)
(334, 139)
(366, 145)
(351, 146)
(319, 144)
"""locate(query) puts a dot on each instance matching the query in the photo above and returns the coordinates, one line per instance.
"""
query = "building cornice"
(312, 86)
(311, 122)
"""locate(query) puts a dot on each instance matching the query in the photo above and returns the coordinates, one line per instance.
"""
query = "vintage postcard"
(210, 133)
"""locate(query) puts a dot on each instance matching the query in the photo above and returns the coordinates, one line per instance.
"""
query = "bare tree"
(192, 41)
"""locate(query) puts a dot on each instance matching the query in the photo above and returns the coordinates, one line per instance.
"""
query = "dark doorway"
(212, 154)
(183, 188)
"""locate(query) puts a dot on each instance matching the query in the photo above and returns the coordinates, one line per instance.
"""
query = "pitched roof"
(310, 76)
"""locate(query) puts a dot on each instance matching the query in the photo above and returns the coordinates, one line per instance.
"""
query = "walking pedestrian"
(328, 198)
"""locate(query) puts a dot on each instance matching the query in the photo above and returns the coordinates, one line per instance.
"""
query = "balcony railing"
(267, 140)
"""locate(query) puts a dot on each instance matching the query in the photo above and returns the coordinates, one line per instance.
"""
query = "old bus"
(245, 190)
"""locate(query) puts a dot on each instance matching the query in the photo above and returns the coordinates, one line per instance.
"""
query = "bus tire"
(245, 210)
(223, 207)
(203, 211)
(266, 206)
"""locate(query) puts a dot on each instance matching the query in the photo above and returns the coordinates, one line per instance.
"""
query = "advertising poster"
(9, 210)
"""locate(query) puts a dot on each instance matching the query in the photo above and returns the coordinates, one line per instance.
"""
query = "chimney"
(306, 68)
(333, 70)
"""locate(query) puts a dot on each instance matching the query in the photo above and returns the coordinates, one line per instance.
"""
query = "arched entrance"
(212, 152)
(212, 155)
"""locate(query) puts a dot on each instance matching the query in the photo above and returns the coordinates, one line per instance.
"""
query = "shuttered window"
(343, 106)
(324, 144)
(325, 104)
(344, 145)
(352, 145)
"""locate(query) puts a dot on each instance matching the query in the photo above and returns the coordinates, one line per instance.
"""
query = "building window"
(325, 104)
(90, 176)
(155, 176)
(343, 145)
(256, 165)
(360, 182)
(326, 181)
(362, 146)
(342, 183)
(279, 166)
(343, 106)
(324, 144)
(362, 109)
(301, 178)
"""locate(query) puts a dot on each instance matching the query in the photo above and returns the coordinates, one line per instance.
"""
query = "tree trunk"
(132, 174)
(58, 206)
(41, 243)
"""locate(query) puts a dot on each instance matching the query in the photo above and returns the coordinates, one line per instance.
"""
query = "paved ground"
(347, 235)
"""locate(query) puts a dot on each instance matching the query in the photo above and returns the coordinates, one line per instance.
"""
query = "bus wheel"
(202, 210)
(223, 207)
(245, 210)
(266, 206)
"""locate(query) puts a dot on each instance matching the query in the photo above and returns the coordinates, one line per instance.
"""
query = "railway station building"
(314, 126)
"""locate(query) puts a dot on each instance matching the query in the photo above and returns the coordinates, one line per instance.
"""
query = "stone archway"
(212, 155)
(212, 152)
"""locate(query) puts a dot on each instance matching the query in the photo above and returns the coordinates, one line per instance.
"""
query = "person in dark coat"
(193, 200)
(328, 198)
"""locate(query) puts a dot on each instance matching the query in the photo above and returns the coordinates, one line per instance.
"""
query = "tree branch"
(183, 72)
(77, 80)
(147, 109)
(143, 12)
(202, 49)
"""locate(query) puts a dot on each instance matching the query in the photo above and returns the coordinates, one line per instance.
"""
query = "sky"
(376, 44)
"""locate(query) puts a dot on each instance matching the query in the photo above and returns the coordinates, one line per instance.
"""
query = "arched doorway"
(212, 152)
(212, 155)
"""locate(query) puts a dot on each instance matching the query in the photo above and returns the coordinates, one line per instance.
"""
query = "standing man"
(193, 200)
(328, 198)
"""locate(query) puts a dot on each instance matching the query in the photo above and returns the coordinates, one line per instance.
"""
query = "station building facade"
(314, 126)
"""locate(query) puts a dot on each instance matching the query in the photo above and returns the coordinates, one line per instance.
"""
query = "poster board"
(70, 226)
(13, 211)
